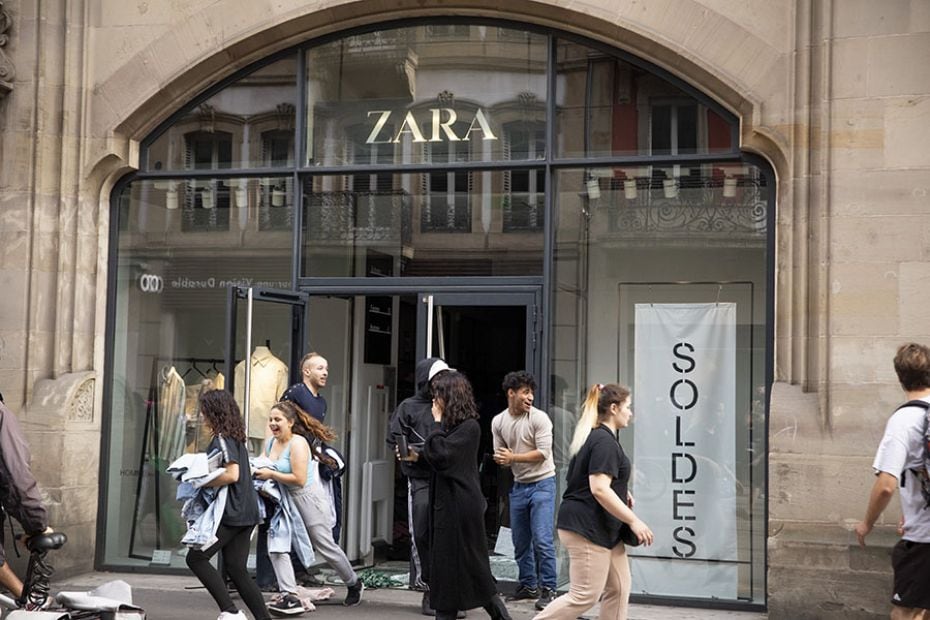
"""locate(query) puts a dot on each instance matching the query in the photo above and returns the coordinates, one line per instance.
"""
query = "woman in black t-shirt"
(239, 516)
(595, 505)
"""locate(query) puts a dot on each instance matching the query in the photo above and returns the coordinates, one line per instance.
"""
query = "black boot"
(496, 609)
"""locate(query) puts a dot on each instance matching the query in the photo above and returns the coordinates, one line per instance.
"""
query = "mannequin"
(268, 382)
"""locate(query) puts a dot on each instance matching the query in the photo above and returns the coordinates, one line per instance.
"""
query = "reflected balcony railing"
(383, 44)
(692, 207)
(346, 216)
(523, 212)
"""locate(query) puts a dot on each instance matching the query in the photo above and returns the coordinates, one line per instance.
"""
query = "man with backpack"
(902, 461)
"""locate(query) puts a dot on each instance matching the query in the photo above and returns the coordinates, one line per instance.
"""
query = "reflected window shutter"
(505, 148)
(424, 178)
(190, 186)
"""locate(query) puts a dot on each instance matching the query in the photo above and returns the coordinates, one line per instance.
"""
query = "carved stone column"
(64, 436)
(6, 65)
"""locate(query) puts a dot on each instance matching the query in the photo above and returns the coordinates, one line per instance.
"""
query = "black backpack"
(923, 473)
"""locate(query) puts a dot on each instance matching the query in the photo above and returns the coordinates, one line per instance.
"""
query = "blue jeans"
(532, 514)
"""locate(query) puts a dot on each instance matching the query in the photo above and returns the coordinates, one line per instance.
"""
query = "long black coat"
(460, 575)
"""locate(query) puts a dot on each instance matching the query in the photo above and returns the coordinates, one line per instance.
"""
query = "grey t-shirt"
(525, 433)
(901, 450)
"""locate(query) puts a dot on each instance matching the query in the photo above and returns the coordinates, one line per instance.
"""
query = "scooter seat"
(47, 542)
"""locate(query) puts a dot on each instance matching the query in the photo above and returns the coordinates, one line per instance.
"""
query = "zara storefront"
(499, 194)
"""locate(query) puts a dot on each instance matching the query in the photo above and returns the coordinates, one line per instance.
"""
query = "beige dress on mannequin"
(269, 380)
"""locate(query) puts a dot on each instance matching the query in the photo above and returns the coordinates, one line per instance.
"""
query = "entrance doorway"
(484, 335)
(373, 343)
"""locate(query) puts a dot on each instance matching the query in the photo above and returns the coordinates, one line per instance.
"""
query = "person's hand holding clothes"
(264, 473)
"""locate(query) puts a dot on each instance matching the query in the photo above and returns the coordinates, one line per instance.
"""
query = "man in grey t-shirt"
(523, 442)
(898, 464)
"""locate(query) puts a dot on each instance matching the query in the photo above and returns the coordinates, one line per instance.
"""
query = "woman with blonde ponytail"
(595, 505)
(587, 422)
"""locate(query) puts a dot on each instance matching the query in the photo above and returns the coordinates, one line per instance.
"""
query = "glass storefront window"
(169, 342)
(443, 223)
(610, 107)
(425, 94)
(651, 264)
(425, 155)
(248, 124)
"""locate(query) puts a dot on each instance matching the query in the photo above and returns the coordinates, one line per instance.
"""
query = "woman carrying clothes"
(595, 505)
(297, 468)
(240, 514)
(460, 575)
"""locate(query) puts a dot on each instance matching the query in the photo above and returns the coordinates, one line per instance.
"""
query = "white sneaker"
(236, 616)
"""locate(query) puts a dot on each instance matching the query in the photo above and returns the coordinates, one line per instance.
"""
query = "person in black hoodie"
(459, 570)
(413, 420)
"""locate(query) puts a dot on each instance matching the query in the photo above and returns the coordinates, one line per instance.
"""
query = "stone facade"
(836, 95)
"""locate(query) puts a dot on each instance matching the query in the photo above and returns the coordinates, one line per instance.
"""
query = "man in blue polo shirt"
(314, 369)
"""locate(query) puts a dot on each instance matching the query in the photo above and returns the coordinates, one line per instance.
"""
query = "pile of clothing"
(202, 506)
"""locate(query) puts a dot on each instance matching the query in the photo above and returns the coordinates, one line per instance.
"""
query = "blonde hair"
(595, 408)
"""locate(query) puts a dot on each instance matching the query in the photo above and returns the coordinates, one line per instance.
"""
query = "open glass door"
(485, 335)
(264, 344)
(267, 327)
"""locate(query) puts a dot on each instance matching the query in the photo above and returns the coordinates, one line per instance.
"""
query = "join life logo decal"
(439, 127)
(150, 283)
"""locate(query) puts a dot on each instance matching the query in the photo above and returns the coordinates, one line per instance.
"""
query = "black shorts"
(911, 563)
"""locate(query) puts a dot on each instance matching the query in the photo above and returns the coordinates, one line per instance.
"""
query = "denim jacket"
(203, 506)
(286, 529)
(201, 532)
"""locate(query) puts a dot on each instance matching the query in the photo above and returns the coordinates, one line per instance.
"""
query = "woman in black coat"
(460, 575)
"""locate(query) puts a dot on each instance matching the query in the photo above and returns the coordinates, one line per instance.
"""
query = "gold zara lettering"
(440, 129)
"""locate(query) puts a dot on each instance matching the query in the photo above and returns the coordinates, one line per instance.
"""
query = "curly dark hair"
(309, 428)
(518, 379)
(454, 395)
(222, 414)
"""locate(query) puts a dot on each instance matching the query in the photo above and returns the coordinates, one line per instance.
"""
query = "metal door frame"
(297, 300)
(529, 298)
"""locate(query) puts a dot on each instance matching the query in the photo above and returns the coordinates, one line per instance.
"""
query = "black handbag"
(627, 537)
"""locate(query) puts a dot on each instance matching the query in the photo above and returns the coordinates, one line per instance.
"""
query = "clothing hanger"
(197, 369)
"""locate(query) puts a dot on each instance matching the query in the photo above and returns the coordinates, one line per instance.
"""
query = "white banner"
(684, 432)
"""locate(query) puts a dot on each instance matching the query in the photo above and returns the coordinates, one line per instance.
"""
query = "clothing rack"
(150, 439)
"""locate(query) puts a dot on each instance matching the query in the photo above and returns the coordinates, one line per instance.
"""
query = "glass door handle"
(428, 300)
(440, 334)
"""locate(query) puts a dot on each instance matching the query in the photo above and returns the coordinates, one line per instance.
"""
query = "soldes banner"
(684, 403)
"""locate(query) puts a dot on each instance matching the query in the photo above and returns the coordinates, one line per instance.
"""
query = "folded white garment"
(111, 596)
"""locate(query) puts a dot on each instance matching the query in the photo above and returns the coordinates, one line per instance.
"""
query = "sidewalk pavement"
(171, 597)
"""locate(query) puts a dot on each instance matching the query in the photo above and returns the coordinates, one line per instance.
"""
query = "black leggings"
(234, 543)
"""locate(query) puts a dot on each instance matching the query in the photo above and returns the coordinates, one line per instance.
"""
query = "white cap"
(437, 367)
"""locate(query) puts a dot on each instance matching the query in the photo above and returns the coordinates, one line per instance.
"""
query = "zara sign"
(440, 127)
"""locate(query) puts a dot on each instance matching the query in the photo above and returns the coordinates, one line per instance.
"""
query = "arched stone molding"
(140, 94)
(775, 115)
(745, 63)
(166, 85)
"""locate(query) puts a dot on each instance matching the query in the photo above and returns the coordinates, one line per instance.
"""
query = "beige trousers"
(592, 570)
